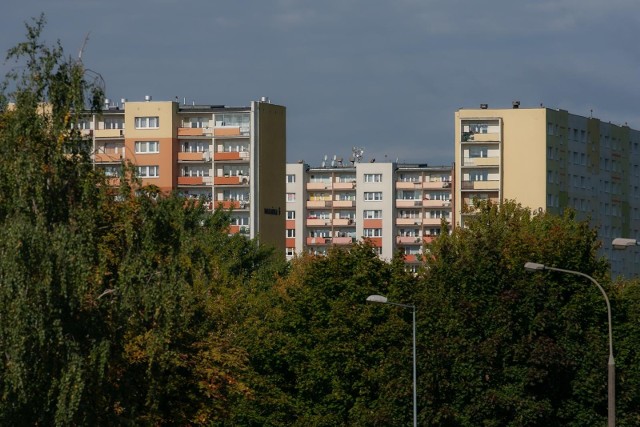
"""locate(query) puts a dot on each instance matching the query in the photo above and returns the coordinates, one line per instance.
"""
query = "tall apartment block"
(232, 157)
(552, 160)
(397, 207)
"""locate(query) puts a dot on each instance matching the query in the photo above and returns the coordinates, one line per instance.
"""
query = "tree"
(115, 307)
(328, 357)
(503, 346)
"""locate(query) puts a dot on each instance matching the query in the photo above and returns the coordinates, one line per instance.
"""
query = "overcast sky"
(384, 75)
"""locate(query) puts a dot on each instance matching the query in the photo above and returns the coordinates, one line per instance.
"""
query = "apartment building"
(551, 159)
(232, 157)
(397, 207)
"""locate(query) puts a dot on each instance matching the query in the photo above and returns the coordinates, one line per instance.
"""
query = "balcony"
(344, 203)
(108, 133)
(481, 137)
(435, 185)
(431, 221)
(344, 185)
(343, 240)
(107, 157)
(194, 157)
(318, 203)
(408, 240)
(486, 137)
(408, 185)
(231, 155)
(318, 241)
(408, 221)
(481, 161)
(231, 180)
(436, 203)
(412, 258)
(227, 131)
(408, 203)
(232, 204)
(315, 222)
(318, 185)
(481, 185)
(190, 180)
(343, 222)
(193, 131)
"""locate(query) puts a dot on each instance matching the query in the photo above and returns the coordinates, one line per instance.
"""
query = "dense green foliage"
(137, 308)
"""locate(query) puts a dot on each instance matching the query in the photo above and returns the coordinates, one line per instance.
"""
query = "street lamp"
(611, 397)
(383, 300)
(622, 243)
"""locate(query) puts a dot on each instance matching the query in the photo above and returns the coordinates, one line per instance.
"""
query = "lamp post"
(611, 396)
(383, 300)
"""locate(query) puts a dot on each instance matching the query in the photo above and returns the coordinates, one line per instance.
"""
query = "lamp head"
(533, 266)
(377, 298)
(622, 243)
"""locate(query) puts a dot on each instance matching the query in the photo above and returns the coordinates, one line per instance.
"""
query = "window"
(372, 177)
(478, 152)
(372, 195)
(147, 122)
(291, 232)
(436, 214)
(291, 214)
(291, 178)
(114, 123)
(242, 120)
(112, 171)
(290, 252)
(148, 171)
(372, 232)
(196, 122)
(371, 214)
(408, 213)
(84, 124)
(291, 197)
(478, 175)
(195, 171)
(195, 146)
(147, 147)
(438, 195)
(240, 220)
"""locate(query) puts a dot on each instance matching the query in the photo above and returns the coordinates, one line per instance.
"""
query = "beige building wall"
(524, 166)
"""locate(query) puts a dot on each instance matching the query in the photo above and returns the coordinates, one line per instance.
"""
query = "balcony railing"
(190, 180)
(408, 221)
(344, 203)
(343, 240)
(318, 240)
(318, 203)
(481, 185)
(196, 156)
(404, 240)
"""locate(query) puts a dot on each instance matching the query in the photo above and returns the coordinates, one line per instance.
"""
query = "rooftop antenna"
(357, 153)
(84, 44)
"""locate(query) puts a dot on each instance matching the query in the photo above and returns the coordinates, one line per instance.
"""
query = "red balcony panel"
(190, 180)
